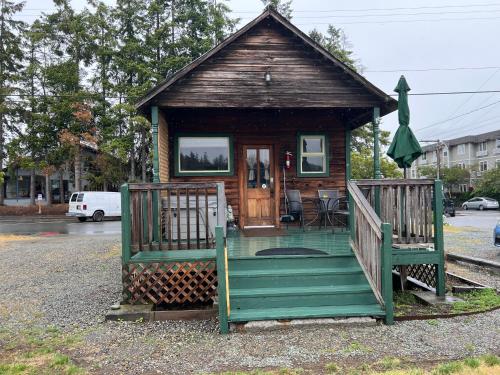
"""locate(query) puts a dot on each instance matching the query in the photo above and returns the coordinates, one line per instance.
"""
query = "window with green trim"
(203, 155)
(312, 155)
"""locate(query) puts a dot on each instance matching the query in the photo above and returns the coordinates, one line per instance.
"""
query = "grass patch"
(357, 347)
(389, 363)
(478, 300)
(37, 351)
(490, 360)
(448, 368)
(332, 368)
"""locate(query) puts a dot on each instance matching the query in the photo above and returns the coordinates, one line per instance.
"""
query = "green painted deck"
(239, 246)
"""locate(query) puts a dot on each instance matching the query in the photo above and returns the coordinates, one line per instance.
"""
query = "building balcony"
(482, 153)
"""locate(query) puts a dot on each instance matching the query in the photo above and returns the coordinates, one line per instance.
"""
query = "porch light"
(267, 76)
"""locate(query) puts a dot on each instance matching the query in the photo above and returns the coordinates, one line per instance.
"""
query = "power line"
(433, 69)
(448, 93)
(385, 9)
(400, 21)
(399, 14)
(455, 117)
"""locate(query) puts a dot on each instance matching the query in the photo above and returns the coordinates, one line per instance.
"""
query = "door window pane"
(251, 168)
(265, 170)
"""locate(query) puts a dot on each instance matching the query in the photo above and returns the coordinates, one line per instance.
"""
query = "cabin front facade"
(269, 110)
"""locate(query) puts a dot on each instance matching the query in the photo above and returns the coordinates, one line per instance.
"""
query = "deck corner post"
(222, 287)
(154, 128)
(377, 174)
(125, 223)
(439, 238)
(387, 287)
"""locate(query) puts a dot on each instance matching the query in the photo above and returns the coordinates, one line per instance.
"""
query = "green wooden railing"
(222, 280)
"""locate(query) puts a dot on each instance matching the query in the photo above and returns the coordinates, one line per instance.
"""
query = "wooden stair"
(304, 286)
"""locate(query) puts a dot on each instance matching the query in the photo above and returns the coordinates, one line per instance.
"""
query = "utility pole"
(439, 147)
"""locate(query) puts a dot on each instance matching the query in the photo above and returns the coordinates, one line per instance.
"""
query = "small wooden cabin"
(234, 115)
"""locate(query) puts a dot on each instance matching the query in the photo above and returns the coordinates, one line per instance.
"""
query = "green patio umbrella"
(404, 148)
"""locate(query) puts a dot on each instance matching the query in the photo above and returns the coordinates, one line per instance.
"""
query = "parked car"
(95, 205)
(496, 235)
(449, 207)
(480, 203)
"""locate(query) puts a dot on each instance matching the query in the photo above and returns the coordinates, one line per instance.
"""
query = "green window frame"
(179, 172)
(323, 153)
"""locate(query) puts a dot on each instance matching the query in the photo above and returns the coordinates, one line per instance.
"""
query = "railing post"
(386, 257)
(222, 288)
(377, 174)
(438, 237)
(126, 224)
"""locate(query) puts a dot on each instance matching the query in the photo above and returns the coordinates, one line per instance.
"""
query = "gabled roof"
(388, 104)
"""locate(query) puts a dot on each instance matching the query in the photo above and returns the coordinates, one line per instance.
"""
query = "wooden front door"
(258, 185)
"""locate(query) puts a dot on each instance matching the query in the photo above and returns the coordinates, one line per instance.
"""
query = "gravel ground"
(470, 241)
(70, 282)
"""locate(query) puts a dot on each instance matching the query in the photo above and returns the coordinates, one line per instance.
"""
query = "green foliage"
(451, 176)
(284, 7)
(489, 184)
(478, 300)
(362, 166)
(336, 42)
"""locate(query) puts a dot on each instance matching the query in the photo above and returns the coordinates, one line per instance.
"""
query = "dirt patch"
(55, 209)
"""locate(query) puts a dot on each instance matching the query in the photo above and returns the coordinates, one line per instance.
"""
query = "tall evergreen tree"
(11, 56)
(284, 7)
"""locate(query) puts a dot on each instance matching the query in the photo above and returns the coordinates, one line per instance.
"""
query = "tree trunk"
(78, 168)
(48, 189)
(61, 186)
(143, 155)
(132, 165)
(32, 186)
(105, 186)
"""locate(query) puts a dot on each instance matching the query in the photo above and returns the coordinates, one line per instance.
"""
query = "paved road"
(476, 219)
(56, 225)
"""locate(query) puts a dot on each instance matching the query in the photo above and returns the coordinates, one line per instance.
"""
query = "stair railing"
(371, 242)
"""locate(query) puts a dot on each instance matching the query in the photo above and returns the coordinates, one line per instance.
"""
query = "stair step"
(294, 272)
(322, 295)
(306, 312)
(298, 291)
(292, 262)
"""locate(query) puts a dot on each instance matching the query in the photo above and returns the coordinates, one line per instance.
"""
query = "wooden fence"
(171, 216)
(406, 204)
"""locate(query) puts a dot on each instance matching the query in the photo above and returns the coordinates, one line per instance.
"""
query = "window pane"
(252, 168)
(264, 168)
(80, 198)
(313, 164)
(312, 144)
(198, 154)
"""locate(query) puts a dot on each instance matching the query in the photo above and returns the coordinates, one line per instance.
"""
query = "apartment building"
(477, 153)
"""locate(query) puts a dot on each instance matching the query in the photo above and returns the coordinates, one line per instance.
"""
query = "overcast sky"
(403, 36)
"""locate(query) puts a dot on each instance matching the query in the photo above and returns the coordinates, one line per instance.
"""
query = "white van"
(95, 205)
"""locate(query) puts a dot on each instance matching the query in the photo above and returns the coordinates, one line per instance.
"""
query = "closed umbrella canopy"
(404, 148)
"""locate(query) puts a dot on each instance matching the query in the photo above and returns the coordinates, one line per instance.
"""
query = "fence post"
(386, 257)
(222, 286)
(438, 237)
(126, 223)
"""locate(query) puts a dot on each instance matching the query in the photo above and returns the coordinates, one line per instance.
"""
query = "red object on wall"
(288, 160)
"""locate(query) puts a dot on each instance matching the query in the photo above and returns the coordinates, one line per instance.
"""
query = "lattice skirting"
(184, 283)
(425, 273)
